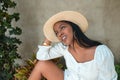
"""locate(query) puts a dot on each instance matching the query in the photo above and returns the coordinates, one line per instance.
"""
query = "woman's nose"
(60, 34)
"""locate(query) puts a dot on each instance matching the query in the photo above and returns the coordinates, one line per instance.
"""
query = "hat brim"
(71, 16)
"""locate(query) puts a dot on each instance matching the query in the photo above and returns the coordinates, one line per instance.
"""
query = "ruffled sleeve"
(105, 60)
(50, 52)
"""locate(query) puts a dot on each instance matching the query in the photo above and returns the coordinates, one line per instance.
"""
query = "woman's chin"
(66, 44)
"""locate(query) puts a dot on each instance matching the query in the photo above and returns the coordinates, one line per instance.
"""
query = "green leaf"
(16, 16)
(16, 31)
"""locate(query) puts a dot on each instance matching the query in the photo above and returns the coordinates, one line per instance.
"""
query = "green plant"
(23, 72)
(117, 67)
(8, 39)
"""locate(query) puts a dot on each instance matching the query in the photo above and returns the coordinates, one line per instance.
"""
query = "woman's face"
(64, 32)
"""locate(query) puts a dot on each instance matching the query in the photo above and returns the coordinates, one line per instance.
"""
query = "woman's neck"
(74, 45)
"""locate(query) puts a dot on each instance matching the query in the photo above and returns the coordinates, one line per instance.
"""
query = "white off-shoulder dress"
(100, 68)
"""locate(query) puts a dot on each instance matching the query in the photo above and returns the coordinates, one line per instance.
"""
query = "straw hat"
(71, 16)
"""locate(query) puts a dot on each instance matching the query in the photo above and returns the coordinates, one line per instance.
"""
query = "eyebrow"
(61, 25)
(58, 27)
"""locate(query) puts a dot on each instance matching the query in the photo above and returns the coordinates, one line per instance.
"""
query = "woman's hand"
(46, 42)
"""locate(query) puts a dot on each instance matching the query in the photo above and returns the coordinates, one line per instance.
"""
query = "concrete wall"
(103, 17)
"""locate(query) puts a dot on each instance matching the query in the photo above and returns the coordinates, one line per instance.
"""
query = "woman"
(85, 59)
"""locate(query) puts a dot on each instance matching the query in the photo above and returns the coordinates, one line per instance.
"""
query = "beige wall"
(103, 17)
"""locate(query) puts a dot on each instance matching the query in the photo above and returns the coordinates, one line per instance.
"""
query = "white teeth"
(64, 37)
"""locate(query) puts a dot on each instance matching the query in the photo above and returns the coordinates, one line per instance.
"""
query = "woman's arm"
(106, 64)
(47, 52)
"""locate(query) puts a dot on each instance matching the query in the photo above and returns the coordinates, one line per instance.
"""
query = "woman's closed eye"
(62, 27)
(56, 33)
